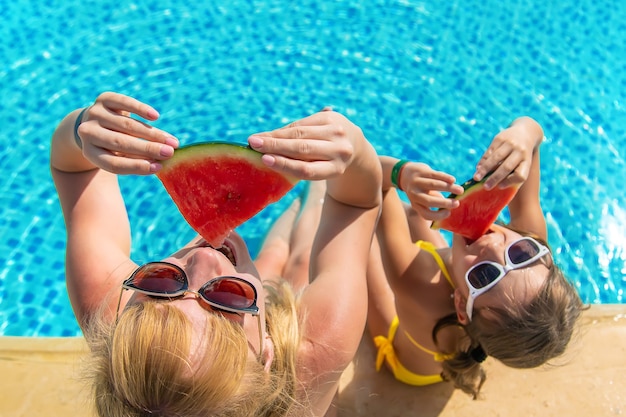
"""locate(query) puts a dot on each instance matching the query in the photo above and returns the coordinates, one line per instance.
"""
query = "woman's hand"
(317, 147)
(424, 187)
(115, 142)
(510, 154)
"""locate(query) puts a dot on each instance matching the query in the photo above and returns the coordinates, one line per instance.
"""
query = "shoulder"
(96, 291)
(423, 269)
(425, 289)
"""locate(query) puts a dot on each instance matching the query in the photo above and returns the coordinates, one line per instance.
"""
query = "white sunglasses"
(484, 275)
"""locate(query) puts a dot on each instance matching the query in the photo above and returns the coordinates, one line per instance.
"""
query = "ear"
(268, 353)
(460, 303)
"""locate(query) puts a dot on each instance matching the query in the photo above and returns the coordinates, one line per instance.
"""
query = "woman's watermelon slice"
(217, 186)
(478, 210)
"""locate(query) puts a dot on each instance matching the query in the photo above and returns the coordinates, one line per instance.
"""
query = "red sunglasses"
(166, 280)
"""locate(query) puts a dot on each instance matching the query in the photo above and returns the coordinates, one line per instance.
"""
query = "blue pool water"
(431, 81)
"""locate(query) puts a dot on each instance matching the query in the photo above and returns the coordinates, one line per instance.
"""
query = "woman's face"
(518, 287)
(201, 263)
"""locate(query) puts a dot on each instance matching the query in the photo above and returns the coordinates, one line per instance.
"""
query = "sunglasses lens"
(483, 275)
(159, 278)
(230, 292)
(523, 251)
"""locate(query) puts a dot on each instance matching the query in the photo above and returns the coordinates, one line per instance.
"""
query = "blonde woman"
(263, 350)
(436, 312)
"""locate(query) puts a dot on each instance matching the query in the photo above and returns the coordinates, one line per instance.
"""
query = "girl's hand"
(424, 187)
(510, 154)
(113, 141)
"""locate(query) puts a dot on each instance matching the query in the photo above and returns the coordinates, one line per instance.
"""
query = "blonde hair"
(140, 366)
(520, 336)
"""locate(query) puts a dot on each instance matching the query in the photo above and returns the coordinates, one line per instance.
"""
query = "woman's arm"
(328, 146)
(98, 231)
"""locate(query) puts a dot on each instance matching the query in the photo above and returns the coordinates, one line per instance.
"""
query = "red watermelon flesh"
(217, 186)
(478, 210)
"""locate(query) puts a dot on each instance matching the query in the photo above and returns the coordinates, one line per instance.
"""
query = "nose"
(493, 248)
(206, 263)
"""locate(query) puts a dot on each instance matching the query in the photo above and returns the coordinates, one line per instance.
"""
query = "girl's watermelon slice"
(478, 210)
(217, 186)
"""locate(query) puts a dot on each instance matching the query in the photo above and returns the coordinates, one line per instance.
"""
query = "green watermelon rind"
(468, 187)
(203, 149)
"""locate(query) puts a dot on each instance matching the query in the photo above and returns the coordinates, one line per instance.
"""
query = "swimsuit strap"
(385, 344)
(439, 357)
(430, 248)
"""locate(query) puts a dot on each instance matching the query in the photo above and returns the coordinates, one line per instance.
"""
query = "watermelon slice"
(217, 186)
(478, 210)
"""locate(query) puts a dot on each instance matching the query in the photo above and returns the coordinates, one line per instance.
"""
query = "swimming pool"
(433, 81)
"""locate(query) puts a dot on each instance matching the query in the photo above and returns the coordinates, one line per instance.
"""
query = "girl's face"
(201, 263)
(517, 288)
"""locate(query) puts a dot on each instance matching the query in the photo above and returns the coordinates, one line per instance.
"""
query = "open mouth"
(225, 250)
(469, 241)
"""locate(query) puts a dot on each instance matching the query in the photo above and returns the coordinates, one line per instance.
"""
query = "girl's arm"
(423, 187)
(514, 157)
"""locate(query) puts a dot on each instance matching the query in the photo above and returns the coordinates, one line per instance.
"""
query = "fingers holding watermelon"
(307, 170)
(116, 142)
(424, 187)
(510, 154)
(317, 147)
(508, 163)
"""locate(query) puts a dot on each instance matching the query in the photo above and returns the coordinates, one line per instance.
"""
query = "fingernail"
(172, 141)
(268, 160)
(167, 151)
(153, 114)
(255, 142)
(155, 166)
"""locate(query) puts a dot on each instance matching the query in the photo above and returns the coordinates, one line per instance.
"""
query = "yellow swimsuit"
(385, 344)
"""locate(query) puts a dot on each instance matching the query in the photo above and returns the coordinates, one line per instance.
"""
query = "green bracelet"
(77, 123)
(395, 172)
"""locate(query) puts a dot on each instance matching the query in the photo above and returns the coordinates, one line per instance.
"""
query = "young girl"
(227, 342)
(436, 312)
